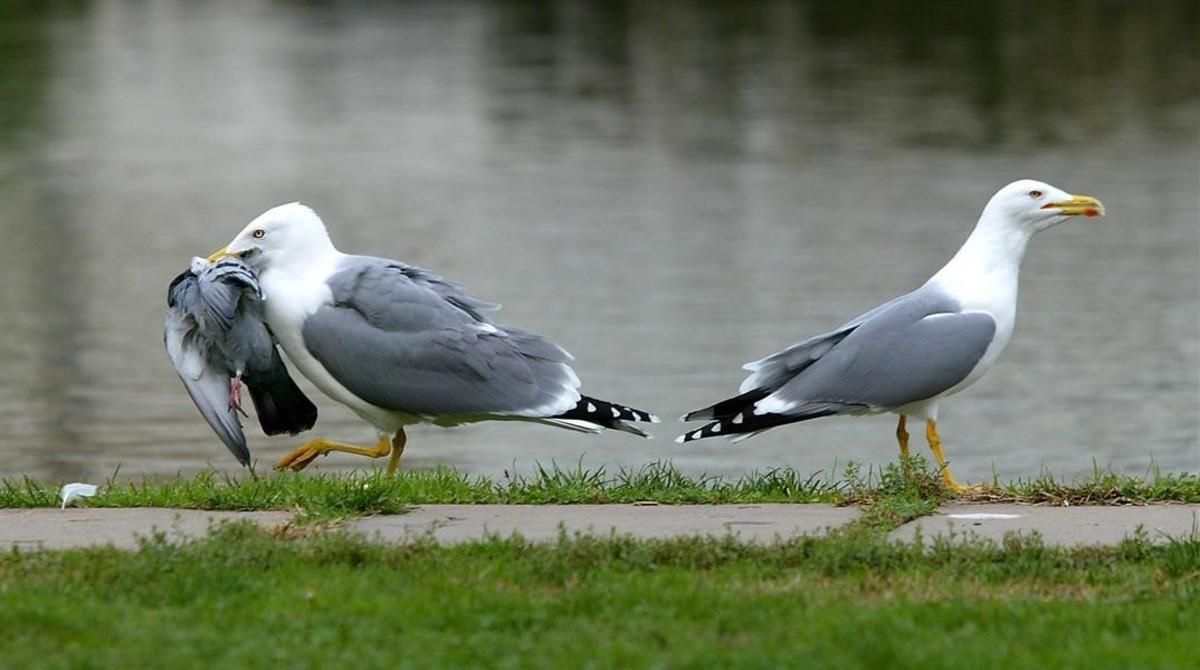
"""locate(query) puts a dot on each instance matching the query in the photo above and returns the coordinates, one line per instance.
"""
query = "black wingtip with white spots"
(728, 426)
(608, 415)
(728, 407)
(594, 409)
(746, 423)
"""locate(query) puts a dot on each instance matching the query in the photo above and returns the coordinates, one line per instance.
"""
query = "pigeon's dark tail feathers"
(608, 415)
(281, 406)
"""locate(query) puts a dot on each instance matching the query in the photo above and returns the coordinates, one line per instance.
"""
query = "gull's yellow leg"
(301, 457)
(935, 445)
(398, 442)
(902, 438)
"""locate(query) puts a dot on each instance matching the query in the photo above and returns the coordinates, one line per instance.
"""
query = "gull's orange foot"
(954, 487)
(303, 456)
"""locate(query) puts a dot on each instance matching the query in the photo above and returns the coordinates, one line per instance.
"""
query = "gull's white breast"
(993, 293)
(290, 297)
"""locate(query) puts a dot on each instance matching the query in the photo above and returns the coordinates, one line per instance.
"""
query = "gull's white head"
(1032, 206)
(291, 233)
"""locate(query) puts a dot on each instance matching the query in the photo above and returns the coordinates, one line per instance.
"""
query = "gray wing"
(404, 339)
(914, 348)
(207, 385)
(777, 369)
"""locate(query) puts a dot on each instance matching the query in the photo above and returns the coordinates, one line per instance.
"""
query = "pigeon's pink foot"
(235, 395)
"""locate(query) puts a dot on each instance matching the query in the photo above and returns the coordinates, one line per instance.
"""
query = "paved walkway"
(1060, 526)
(70, 528)
(57, 529)
(458, 523)
(80, 527)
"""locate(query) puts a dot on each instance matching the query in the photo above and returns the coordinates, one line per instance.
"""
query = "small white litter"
(73, 492)
(976, 516)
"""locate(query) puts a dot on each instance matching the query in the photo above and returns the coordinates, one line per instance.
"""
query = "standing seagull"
(399, 345)
(217, 342)
(906, 355)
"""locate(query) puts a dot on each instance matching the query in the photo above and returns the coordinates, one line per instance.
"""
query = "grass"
(892, 496)
(326, 495)
(245, 598)
(310, 596)
(1102, 487)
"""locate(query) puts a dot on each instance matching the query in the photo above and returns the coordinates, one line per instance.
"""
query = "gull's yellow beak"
(1079, 205)
(218, 255)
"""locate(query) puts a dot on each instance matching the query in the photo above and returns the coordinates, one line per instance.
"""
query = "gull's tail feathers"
(746, 424)
(726, 409)
(744, 416)
(604, 414)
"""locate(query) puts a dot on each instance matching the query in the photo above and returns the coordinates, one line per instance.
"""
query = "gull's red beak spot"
(1078, 205)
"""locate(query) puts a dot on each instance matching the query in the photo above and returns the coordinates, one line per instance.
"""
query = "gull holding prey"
(399, 345)
(218, 343)
(906, 355)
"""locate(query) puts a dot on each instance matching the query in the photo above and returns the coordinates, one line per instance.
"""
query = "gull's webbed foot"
(303, 456)
(935, 445)
(954, 486)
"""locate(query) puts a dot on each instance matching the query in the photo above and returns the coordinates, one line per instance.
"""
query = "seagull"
(217, 342)
(907, 354)
(400, 345)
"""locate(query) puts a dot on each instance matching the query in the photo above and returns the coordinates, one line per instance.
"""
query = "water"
(667, 191)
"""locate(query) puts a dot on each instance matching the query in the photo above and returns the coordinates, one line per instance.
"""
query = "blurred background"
(667, 189)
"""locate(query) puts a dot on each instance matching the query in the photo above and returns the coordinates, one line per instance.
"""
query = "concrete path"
(58, 529)
(70, 528)
(460, 523)
(1063, 526)
(1060, 526)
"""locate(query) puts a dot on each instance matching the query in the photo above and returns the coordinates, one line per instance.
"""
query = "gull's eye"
(259, 234)
(1033, 194)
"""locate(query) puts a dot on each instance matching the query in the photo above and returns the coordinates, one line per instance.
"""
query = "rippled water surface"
(668, 191)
